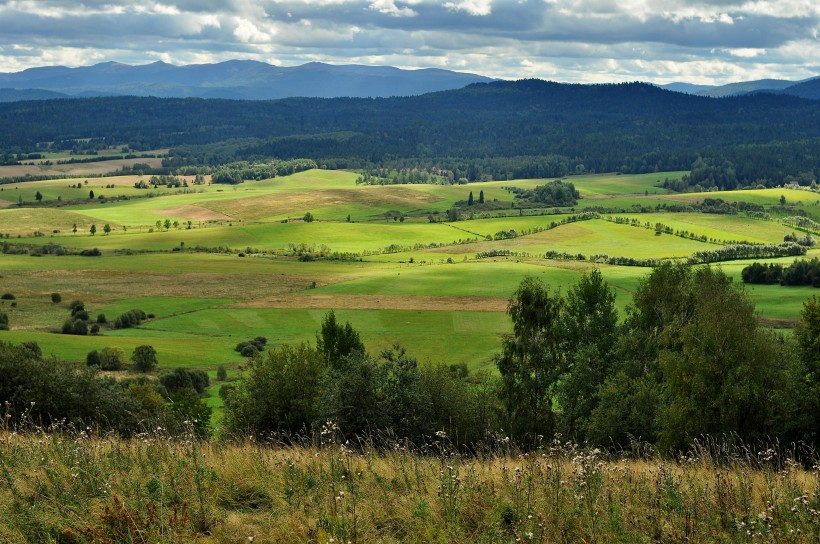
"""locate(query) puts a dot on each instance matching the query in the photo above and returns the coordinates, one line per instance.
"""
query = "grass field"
(413, 281)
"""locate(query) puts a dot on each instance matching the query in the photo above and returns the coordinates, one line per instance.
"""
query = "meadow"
(63, 487)
(218, 264)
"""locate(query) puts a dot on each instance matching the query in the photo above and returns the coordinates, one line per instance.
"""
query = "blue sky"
(585, 41)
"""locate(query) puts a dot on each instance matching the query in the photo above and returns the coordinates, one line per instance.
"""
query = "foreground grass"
(76, 488)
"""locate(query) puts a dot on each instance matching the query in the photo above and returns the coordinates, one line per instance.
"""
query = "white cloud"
(472, 7)
(389, 7)
(248, 32)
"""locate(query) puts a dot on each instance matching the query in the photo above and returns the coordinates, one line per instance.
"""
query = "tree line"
(689, 359)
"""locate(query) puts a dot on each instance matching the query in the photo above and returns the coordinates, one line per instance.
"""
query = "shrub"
(4, 321)
(112, 359)
(181, 378)
(221, 373)
(7, 296)
(93, 358)
(56, 298)
(101, 319)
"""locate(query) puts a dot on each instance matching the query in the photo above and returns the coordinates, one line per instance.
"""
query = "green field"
(232, 273)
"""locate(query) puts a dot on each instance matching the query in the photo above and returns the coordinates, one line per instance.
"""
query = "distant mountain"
(687, 88)
(15, 95)
(236, 79)
(746, 87)
(809, 88)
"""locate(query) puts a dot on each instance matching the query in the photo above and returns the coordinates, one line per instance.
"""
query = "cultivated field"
(218, 264)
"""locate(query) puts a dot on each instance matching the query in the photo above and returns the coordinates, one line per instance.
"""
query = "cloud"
(705, 41)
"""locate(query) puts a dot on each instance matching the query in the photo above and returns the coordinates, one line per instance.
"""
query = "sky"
(581, 41)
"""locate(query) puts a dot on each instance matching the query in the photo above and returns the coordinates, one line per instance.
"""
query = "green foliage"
(56, 298)
(554, 193)
(144, 358)
(251, 347)
(337, 341)
(49, 391)
(182, 378)
(589, 322)
(722, 378)
(189, 412)
(531, 361)
(131, 318)
(278, 393)
(4, 321)
(8, 296)
(112, 358)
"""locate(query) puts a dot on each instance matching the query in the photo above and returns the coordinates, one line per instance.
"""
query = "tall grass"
(72, 487)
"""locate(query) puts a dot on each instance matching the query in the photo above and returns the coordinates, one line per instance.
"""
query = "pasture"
(372, 254)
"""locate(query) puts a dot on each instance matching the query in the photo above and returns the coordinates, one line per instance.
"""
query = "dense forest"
(497, 130)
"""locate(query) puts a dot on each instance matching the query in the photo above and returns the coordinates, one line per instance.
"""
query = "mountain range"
(253, 80)
(235, 79)
(807, 88)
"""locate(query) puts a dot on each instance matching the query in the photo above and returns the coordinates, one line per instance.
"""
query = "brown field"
(79, 169)
(260, 207)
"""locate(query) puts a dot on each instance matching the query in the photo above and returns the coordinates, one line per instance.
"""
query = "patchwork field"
(215, 264)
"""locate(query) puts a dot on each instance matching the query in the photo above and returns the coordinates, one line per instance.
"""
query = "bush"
(93, 358)
(221, 373)
(181, 378)
(112, 359)
(75, 326)
(7, 296)
(101, 319)
(56, 298)
(4, 321)
(131, 318)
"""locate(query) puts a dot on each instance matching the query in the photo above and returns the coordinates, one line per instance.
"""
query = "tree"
(144, 358)
(56, 298)
(38, 196)
(807, 334)
(782, 200)
(278, 392)
(470, 199)
(721, 378)
(481, 196)
(91, 194)
(337, 341)
(107, 228)
(74, 228)
(93, 230)
(167, 224)
(308, 218)
(4, 321)
(589, 322)
(531, 361)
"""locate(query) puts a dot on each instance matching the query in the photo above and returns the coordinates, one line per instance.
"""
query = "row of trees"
(800, 272)
(689, 359)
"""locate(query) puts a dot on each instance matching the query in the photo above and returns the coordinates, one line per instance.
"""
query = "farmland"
(215, 264)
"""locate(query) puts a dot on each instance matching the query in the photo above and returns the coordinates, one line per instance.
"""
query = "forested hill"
(627, 127)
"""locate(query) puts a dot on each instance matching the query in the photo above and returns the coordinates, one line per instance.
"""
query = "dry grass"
(79, 169)
(80, 488)
(279, 204)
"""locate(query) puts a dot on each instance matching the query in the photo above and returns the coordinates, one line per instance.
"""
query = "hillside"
(630, 128)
